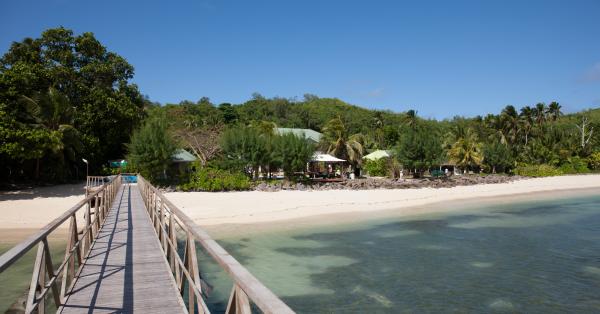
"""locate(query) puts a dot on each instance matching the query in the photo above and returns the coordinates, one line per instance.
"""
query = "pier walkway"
(129, 249)
(126, 269)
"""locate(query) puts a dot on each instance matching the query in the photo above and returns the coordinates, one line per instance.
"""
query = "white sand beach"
(209, 209)
(32, 209)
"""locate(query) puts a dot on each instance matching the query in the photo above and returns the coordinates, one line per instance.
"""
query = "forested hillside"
(65, 97)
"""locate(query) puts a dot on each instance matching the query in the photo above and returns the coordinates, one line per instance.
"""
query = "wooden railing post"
(173, 251)
(163, 237)
(69, 271)
(52, 274)
(38, 281)
(192, 267)
(238, 302)
(89, 236)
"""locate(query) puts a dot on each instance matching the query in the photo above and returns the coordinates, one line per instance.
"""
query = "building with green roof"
(308, 134)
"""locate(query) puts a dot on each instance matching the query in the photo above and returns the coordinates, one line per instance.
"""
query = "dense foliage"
(212, 179)
(254, 149)
(62, 98)
(377, 168)
(151, 149)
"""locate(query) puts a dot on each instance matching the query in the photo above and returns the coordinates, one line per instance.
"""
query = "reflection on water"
(542, 258)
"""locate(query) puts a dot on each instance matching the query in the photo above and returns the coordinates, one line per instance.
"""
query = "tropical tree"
(420, 149)
(554, 110)
(52, 112)
(509, 124)
(266, 128)
(540, 113)
(338, 142)
(151, 148)
(526, 120)
(292, 153)
(103, 106)
(497, 157)
(246, 148)
(202, 141)
(467, 151)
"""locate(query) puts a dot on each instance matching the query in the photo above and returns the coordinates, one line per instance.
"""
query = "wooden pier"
(134, 251)
(126, 268)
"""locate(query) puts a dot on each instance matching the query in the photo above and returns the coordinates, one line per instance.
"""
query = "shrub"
(212, 180)
(574, 165)
(542, 170)
(594, 161)
(377, 168)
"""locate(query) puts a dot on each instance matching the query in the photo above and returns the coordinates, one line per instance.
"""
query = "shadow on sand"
(62, 190)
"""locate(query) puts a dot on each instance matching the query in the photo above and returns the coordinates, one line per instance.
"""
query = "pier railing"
(169, 221)
(81, 235)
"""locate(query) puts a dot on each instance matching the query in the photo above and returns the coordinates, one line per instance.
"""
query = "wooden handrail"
(246, 287)
(45, 277)
(23, 247)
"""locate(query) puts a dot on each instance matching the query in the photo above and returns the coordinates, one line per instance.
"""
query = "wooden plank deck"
(126, 270)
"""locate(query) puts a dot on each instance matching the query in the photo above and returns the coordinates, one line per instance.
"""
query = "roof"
(306, 133)
(324, 157)
(182, 155)
(376, 155)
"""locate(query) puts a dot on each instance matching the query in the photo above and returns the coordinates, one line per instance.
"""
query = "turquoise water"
(536, 257)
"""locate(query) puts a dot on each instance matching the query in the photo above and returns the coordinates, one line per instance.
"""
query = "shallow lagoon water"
(534, 257)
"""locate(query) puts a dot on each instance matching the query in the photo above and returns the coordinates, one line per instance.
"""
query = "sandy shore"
(209, 209)
(32, 209)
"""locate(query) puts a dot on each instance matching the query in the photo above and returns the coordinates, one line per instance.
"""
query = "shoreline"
(223, 214)
(427, 211)
(247, 208)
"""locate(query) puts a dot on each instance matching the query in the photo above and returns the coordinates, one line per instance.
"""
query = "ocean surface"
(529, 257)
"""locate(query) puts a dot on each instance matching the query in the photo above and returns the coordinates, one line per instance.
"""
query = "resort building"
(308, 134)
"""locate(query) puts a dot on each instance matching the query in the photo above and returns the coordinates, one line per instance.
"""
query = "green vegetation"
(64, 97)
(338, 142)
(256, 149)
(537, 170)
(420, 148)
(377, 168)
(291, 153)
(151, 149)
(594, 161)
(211, 180)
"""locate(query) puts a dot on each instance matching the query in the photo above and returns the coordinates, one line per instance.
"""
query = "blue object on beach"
(130, 179)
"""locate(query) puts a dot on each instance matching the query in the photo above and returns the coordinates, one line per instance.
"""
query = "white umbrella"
(325, 157)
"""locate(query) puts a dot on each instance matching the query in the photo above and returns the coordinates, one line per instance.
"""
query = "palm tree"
(338, 142)
(554, 110)
(526, 121)
(540, 113)
(509, 121)
(467, 151)
(51, 112)
(267, 128)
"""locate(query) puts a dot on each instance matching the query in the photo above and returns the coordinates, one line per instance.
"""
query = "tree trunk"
(37, 169)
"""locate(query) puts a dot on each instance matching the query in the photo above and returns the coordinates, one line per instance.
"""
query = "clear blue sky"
(439, 57)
